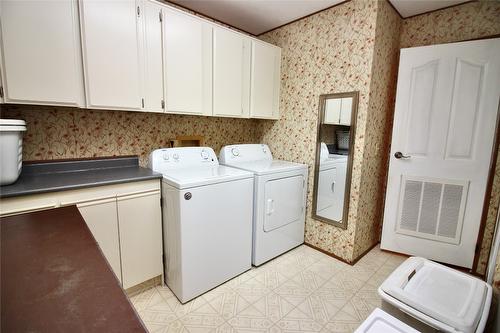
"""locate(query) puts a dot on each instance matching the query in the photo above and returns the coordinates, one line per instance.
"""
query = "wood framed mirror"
(334, 153)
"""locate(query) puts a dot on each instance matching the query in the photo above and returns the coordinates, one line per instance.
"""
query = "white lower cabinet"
(139, 219)
(125, 220)
(102, 220)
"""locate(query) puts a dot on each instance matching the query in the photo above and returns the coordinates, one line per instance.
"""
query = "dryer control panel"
(245, 153)
(182, 157)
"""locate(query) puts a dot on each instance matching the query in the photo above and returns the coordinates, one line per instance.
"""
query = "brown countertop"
(54, 277)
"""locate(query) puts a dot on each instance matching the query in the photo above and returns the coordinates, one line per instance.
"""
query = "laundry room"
(249, 166)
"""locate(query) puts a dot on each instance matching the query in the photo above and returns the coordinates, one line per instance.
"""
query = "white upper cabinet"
(111, 40)
(41, 52)
(133, 55)
(338, 111)
(153, 57)
(265, 81)
(188, 63)
(231, 71)
(346, 111)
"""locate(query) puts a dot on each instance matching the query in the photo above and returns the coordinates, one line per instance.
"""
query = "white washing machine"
(279, 199)
(207, 219)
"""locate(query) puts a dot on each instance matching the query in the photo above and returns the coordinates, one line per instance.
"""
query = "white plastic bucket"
(11, 149)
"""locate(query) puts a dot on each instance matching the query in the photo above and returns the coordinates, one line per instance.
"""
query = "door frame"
(487, 198)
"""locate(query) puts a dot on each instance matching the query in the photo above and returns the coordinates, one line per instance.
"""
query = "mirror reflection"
(336, 125)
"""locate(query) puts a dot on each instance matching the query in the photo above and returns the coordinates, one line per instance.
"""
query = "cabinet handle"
(333, 187)
(137, 195)
(95, 202)
(27, 210)
(88, 202)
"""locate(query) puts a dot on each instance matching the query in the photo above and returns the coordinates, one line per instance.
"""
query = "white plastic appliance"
(207, 219)
(11, 149)
(432, 297)
(380, 321)
(279, 199)
(331, 184)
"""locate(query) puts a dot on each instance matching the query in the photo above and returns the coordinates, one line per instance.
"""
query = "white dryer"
(279, 199)
(207, 219)
(331, 184)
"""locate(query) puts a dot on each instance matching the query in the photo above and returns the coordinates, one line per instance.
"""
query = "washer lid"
(331, 162)
(193, 177)
(266, 167)
(380, 321)
(12, 125)
(12, 122)
(440, 292)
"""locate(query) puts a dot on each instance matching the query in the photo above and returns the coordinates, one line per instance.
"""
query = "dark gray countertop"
(54, 176)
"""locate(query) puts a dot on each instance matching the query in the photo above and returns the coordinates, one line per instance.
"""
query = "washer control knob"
(204, 154)
(235, 152)
(165, 156)
(175, 156)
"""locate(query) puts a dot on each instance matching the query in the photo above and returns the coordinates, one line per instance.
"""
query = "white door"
(444, 127)
(102, 220)
(284, 200)
(111, 33)
(153, 57)
(41, 52)
(231, 70)
(188, 64)
(265, 81)
(139, 219)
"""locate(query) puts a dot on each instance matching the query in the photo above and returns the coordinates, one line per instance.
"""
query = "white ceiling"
(258, 16)
(409, 8)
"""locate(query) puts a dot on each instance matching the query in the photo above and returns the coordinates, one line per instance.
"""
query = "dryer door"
(284, 202)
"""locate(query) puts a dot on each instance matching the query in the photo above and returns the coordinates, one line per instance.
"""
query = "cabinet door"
(153, 57)
(102, 220)
(332, 111)
(265, 81)
(139, 217)
(231, 70)
(41, 52)
(346, 111)
(188, 64)
(111, 33)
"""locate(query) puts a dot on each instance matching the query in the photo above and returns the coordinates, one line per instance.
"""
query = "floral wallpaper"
(468, 21)
(350, 47)
(378, 129)
(333, 51)
(58, 132)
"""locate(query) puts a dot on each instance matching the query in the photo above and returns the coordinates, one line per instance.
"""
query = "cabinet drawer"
(26, 204)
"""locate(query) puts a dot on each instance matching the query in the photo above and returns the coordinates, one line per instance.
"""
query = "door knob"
(400, 155)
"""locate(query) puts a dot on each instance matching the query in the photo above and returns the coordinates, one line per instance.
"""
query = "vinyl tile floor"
(303, 290)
